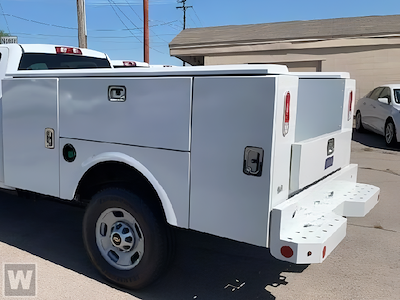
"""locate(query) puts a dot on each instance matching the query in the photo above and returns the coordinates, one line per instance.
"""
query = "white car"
(379, 111)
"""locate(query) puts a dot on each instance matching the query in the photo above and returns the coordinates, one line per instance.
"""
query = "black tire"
(390, 133)
(359, 125)
(143, 250)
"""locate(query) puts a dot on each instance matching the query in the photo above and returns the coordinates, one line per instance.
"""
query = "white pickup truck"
(253, 153)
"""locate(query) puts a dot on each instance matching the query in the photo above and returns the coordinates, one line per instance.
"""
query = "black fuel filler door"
(253, 161)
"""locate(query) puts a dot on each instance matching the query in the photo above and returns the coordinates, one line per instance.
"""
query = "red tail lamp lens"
(324, 252)
(286, 251)
(129, 63)
(287, 107)
(350, 106)
(68, 50)
(286, 114)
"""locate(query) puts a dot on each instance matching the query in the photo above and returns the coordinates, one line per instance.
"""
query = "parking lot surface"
(366, 265)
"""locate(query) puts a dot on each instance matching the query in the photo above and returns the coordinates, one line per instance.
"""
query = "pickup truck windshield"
(41, 61)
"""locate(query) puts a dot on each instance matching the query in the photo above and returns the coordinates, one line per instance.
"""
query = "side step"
(306, 228)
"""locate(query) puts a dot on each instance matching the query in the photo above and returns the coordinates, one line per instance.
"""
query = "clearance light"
(324, 252)
(129, 64)
(286, 251)
(68, 50)
(286, 114)
(350, 113)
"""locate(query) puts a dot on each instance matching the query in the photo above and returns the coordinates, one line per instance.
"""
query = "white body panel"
(3, 67)
(229, 114)
(156, 112)
(167, 171)
(317, 99)
(29, 107)
(324, 114)
(225, 70)
(312, 224)
(312, 154)
(282, 146)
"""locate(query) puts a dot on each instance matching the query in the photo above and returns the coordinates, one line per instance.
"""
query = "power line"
(124, 14)
(134, 10)
(132, 22)
(139, 28)
(198, 17)
(169, 24)
(137, 2)
(92, 37)
(142, 20)
(112, 6)
(95, 30)
(195, 24)
(1, 6)
(75, 28)
(41, 23)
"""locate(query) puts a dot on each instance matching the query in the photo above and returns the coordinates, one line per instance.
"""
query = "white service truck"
(252, 153)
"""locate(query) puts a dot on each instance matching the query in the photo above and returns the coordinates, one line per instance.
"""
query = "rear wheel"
(125, 240)
(390, 133)
(359, 125)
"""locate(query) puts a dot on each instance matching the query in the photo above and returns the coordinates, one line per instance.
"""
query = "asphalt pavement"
(366, 265)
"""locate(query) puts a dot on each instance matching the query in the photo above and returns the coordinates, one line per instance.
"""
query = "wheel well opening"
(389, 119)
(117, 174)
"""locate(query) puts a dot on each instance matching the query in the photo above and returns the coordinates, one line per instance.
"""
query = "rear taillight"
(286, 114)
(68, 50)
(350, 112)
(287, 252)
(129, 64)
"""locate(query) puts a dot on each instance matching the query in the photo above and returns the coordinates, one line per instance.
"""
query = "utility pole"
(146, 40)
(82, 33)
(184, 8)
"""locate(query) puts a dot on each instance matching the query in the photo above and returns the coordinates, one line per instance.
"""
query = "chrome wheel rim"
(389, 133)
(119, 238)
(358, 121)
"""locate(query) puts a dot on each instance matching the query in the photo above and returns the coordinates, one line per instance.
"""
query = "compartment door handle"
(116, 93)
(49, 138)
(253, 161)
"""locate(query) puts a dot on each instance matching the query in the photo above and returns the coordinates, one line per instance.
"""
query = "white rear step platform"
(306, 228)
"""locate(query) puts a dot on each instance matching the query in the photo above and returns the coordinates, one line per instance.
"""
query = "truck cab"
(14, 57)
(32, 57)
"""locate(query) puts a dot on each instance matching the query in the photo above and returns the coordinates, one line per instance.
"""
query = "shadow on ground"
(373, 140)
(205, 267)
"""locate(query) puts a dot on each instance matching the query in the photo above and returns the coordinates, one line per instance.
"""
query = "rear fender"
(128, 160)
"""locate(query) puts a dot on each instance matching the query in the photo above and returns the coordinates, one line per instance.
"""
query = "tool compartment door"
(233, 119)
(154, 111)
(323, 129)
(30, 135)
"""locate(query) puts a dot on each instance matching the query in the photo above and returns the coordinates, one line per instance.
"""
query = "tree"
(3, 33)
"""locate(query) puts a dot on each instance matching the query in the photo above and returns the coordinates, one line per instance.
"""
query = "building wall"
(370, 65)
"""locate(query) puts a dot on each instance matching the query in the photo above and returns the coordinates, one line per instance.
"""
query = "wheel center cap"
(116, 239)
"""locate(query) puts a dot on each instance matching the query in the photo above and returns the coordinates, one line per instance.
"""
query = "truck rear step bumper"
(307, 227)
